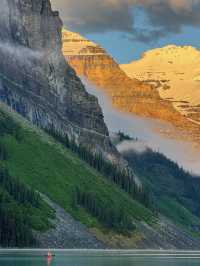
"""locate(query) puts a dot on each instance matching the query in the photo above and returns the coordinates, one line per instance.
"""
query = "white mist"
(147, 131)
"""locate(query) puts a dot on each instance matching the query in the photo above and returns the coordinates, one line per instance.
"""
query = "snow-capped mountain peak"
(175, 71)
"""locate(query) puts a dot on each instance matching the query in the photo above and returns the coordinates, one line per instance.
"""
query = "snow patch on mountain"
(175, 71)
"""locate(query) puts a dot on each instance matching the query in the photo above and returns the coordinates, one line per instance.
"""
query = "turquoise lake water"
(99, 258)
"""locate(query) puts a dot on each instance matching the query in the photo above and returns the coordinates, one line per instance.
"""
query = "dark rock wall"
(36, 80)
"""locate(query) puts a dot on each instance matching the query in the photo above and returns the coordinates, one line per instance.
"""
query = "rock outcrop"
(36, 81)
(67, 233)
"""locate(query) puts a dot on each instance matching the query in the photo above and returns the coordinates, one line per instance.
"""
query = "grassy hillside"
(43, 164)
(176, 192)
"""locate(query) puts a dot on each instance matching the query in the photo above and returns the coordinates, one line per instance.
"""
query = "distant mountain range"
(162, 85)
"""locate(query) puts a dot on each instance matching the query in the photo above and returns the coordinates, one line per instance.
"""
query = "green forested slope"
(176, 192)
(44, 165)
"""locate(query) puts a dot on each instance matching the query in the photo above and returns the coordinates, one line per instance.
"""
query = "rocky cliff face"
(35, 79)
(129, 92)
(91, 61)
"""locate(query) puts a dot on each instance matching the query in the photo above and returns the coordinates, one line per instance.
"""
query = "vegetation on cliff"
(39, 161)
(113, 217)
(21, 208)
(121, 177)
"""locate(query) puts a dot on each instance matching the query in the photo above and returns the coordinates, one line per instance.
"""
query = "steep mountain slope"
(132, 94)
(61, 176)
(36, 81)
(22, 210)
(176, 192)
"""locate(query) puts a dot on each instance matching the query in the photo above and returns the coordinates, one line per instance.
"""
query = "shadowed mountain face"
(35, 79)
(131, 94)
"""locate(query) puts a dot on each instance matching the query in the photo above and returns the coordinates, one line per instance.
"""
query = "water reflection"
(49, 261)
(102, 258)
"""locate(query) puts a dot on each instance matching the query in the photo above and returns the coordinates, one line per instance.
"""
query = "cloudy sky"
(126, 28)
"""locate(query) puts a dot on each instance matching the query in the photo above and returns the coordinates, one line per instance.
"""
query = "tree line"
(20, 192)
(15, 200)
(15, 229)
(113, 216)
(15, 197)
(3, 152)
(167, 179)
(123, 178)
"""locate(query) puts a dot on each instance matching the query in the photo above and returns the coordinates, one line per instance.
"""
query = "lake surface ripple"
(99, 258)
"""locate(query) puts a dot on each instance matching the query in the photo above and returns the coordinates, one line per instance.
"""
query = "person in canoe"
(50, 256)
